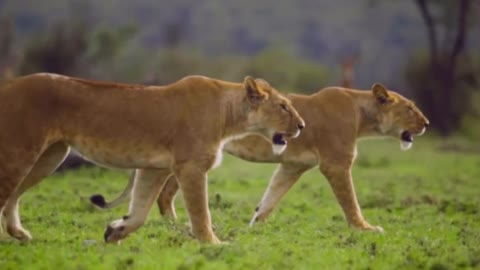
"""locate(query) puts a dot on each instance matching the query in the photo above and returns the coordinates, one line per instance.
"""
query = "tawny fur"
(336, 118)
(162, 130)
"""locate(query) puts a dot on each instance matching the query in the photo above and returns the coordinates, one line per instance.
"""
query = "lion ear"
(262, 82)
(255, 94)
(380, 93)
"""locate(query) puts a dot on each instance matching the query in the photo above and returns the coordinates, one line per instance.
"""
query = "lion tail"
(99, 200)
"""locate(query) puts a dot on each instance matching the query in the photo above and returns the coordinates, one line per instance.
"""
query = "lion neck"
(369, 114)
(236, 114)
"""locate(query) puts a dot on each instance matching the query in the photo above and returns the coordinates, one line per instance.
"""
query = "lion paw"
(3, 225)
(377, 229)
(372, 228)
(215, 241)
(20, 234)
(208, 239)
(115, 232)
(365, 226)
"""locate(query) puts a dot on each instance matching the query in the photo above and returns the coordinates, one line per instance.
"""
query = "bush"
(469, 126)
(74, 49)
(277, 67)
(287, 72)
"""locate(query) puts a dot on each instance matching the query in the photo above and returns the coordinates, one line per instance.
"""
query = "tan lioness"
(178, 128)
(337, 118)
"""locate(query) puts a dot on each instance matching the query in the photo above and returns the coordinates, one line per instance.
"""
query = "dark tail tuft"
(98, 200)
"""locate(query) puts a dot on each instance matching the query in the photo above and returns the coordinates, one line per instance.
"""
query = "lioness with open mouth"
(337, 118)
(178, 128)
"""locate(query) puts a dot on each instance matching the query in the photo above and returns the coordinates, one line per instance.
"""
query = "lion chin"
(278, 148)
(405, 145)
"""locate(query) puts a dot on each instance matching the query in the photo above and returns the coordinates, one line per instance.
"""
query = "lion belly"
(119, 157)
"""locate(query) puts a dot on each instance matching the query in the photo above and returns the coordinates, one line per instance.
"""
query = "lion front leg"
(192, 178)
(147, 185)
(340, 179)
(282, 180)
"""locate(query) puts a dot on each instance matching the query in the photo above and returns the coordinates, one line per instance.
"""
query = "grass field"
(427, 200)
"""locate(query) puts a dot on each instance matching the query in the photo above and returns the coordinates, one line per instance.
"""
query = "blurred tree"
(443, 83)
(7, 36)
(174, 31)
(57, 51)
(75, 47)
(427, 88)
(440, 90)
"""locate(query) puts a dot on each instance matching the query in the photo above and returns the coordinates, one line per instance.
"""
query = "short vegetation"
(427, 200)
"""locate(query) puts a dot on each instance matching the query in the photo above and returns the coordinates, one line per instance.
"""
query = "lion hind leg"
(45, 165)
(166, 198)
(11, 175)
(10, 179)
(282, 180)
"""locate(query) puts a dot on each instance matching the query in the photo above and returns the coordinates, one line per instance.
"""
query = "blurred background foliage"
(428, 50)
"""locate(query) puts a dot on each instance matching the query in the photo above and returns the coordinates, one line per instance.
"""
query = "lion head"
(398, 117)
(271, 114)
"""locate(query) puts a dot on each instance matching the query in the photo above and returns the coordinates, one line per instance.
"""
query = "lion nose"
(301, 126)
(427, 124)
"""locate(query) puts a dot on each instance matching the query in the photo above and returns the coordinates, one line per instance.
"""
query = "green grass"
(427, 200)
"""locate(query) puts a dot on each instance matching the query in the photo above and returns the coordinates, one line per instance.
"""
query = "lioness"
(336, 118)
(178, 128)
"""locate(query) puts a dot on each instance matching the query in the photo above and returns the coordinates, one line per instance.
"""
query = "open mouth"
(407, 137)
(406, 140)
(279, 139)
(279, 143)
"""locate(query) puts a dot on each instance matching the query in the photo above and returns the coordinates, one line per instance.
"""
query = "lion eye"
(284, 107)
